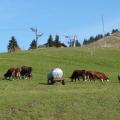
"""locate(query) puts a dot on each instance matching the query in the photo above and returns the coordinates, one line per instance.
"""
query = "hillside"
(34, 100)
(110, 41)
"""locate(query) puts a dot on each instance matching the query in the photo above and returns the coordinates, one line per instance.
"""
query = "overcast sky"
(62, 17)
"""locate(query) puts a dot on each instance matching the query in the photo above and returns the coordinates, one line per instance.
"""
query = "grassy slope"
(111, 41)
(34, 100)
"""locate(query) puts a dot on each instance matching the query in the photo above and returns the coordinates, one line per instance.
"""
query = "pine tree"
(85, 42)
(33, 45)
(78, 43)
(57, 42)
(50, 41)
(13, 46)
(107, 34)
(114, 31)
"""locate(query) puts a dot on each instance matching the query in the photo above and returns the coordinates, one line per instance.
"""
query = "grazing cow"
(99, 75)
(77, 74)
(90, 75)
(26, 72)
(12, 73)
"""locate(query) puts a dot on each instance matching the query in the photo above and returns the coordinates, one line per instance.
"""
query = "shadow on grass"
(1, 79)
(41, 83)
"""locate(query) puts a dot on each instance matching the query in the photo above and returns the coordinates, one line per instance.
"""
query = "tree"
(33, 45)
(57, 41)
(78, 43)
(13, 46)
(107, 34)
(85, 42)
(114, 31)
(50, 41)
(70, 43)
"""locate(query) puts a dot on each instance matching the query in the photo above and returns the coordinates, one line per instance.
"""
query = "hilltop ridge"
(109, 41)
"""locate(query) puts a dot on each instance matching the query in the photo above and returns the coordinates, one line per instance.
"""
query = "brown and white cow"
(92, 75)
(12, 73)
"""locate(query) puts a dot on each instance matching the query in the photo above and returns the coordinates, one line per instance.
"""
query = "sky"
(62, 17)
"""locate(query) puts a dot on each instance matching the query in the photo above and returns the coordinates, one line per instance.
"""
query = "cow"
(97, 75)
(12, 73)
(26, 72)
(101, 76)
(77, 74)
(90, 75)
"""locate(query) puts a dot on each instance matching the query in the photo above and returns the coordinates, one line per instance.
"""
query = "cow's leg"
(75, 79)
(85, 78)
(13, 75)
(102, 80)
(18, 75)
(107, 80)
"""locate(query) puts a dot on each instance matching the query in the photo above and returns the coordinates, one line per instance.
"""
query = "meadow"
(35, 100)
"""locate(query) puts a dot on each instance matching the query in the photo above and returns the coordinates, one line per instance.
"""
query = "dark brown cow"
(90, 75)
(12, 73)
(77, 74)
(26, 72)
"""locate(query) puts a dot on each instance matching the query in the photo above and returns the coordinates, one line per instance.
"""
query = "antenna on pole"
(103, 27)
(35, 30)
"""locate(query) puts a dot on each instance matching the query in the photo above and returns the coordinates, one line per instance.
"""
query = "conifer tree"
(33, 45)
(13, 45)
(50, 41)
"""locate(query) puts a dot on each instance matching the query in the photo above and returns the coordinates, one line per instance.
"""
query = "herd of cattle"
(88, 75)
(26, 72)
(18, 73)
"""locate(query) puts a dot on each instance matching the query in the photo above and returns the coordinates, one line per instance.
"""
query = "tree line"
(55, 42)
(51, 42)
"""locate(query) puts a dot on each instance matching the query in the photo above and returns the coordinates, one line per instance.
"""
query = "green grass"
(34, 100)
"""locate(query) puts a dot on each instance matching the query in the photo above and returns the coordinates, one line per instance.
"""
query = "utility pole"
(103, 26)
(35, 30)
(72, 39)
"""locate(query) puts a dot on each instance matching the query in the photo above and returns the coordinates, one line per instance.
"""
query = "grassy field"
(34, 100)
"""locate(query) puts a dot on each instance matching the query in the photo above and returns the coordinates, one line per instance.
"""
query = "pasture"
(34, 100)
